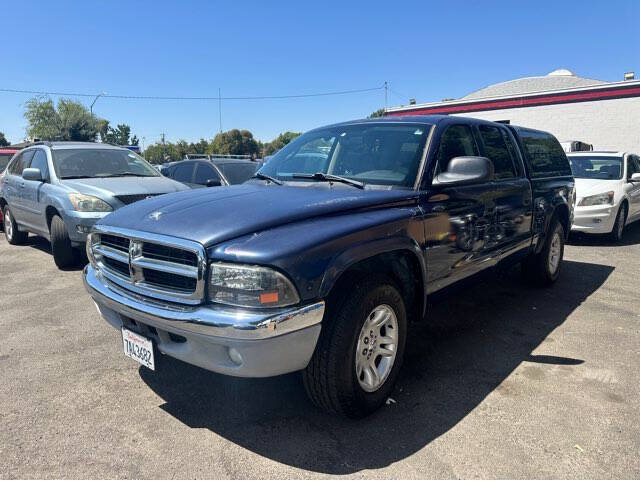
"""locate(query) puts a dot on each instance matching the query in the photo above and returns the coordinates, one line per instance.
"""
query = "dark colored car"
(321, 262)
(211, 173)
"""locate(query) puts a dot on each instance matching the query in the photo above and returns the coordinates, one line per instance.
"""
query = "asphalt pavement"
(507, 381)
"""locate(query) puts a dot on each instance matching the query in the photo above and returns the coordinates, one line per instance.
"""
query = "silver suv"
(60, 189)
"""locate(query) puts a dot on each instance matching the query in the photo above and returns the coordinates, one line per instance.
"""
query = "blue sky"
(426, 50)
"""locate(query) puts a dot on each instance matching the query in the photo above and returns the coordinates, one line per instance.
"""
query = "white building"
(604, 114)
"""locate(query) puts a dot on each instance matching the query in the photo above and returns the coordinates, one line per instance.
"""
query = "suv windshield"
(593, 167)
(82, 163)
(374, 153)
(237, 173)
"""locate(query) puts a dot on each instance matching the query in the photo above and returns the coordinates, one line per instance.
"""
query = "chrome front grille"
(153, 265)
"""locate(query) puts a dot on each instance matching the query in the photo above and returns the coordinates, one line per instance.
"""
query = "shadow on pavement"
(42, 244)
(631, 237)
(470, 346)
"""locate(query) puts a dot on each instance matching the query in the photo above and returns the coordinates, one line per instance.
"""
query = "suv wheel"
(544, 268)
(618, 226)
(11, 232)
(360, 350)
(63, 254)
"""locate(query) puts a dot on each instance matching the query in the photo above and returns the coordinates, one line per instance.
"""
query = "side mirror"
(32, 174)
(634, 178)
(213, 183)
(466, 170)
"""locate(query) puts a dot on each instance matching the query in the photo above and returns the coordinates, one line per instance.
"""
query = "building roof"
(557, 87)
(556, 80)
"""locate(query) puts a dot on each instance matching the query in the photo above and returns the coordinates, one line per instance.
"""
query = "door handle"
(438, 208)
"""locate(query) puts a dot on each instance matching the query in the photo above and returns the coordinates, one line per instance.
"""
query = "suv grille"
(130, 199)
(156, 266)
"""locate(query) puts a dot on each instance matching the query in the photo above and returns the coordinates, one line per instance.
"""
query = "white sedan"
(607, 191)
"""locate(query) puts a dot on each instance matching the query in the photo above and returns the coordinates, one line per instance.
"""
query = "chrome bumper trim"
(212, 320)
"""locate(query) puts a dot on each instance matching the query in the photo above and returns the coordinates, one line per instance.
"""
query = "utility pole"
(386, 88)
(164, 149)
(220, 107)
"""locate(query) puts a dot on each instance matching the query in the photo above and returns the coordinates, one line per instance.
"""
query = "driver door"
(457, 218)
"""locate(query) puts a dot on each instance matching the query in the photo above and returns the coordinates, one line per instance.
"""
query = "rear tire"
(359, 354)
(543, 269)
(11, 232)
(63, 254)
(618, 226)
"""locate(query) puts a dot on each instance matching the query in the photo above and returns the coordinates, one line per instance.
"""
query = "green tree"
(118, 136)
(3, 140)
(69, 120)
(279, 142)
(377, 113)
(235, 142)
(135, 140)
(159, 153)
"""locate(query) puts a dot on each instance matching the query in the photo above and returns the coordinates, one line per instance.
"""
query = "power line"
(217, 98)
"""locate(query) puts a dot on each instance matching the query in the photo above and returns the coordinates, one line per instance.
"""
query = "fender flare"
(346, 259)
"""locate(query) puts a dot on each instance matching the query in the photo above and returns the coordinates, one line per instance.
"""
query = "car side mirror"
(634, 178)
(32, 174)
(213, 183)
(466, 170)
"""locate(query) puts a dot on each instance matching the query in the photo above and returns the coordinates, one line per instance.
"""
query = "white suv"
(608, 191)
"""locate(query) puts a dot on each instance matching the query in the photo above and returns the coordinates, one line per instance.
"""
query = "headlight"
(598, 199)
(250, 286)
(89, 203)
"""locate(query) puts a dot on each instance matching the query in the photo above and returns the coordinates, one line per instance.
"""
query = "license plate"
(139, 348)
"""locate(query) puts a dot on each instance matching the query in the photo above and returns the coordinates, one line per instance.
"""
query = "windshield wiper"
(320, 176)
(261, 176)
(69, 177)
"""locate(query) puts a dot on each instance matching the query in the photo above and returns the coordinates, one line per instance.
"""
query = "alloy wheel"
(376, 348)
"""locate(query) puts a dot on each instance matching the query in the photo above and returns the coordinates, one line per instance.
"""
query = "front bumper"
(269, 343)
(597, 219)
(79, 224)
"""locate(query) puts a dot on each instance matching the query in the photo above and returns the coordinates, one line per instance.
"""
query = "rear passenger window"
(457, 141)
(183, 172)
(495, 148)
(545, 157)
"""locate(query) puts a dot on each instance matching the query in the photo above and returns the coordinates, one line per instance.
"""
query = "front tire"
(61, 244)
(11, 232)
(618, 227)
(543, 269)
(359, 354)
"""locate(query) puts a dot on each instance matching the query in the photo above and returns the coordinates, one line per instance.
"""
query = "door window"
(39, 161)
(633, 165)
(183, 172)
(495, 148)
(457, 141)
(205, 172)
(21, 162)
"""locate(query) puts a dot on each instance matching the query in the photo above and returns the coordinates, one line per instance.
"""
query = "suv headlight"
(250, 286)
(88, 203)
(598, 199)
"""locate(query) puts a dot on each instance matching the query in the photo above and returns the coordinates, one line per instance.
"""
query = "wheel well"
(562, 213)
(625, 202)
(50, 212)
(2, 203)
(402, 267)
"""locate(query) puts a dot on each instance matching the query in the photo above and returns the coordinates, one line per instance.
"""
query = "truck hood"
(585, 187)
(214, 215)
(114, 186)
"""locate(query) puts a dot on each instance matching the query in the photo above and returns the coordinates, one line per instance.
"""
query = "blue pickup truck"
(322, 261)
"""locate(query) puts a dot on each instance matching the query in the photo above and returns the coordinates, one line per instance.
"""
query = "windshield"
(82, 163)
(592, 167)
(4, 160)
(374, 153)
(238, 173)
